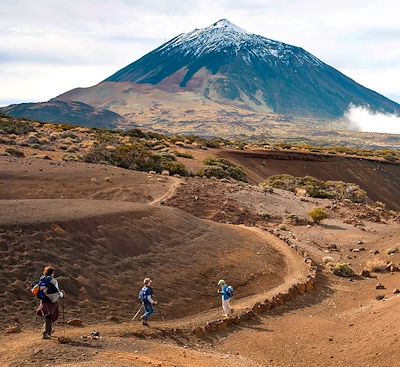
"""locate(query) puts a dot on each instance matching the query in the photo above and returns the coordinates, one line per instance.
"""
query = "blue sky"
(48, 47)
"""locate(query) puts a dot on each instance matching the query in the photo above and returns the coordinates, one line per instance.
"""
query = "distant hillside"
(68, 112)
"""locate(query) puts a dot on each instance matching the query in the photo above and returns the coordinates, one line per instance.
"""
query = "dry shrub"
(376, 265)
(327, 259)
(317, 215)
(392, 251)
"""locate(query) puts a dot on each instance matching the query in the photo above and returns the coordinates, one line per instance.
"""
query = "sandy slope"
(101, 243)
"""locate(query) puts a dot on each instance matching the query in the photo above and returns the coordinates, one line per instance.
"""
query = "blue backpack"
(229, 291)
(143, 294)
(43, 286)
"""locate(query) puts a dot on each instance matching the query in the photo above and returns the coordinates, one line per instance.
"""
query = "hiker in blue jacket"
(226, 294)
(145, 296)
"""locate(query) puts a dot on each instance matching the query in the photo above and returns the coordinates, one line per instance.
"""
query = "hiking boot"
(46, 336)
(144, 322)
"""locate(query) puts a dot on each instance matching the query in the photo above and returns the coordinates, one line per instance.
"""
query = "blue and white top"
(145, 295)
(226, 292)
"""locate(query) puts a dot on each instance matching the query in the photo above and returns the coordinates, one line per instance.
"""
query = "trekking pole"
(63, 312)
(34, 325)
(137, 313)
(159, 310)
(218, 297)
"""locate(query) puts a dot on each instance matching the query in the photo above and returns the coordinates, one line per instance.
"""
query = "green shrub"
(136, 157)
(226, 169)
(317, 215)
(212, 171)
(174, 168)
(183, 154)
(15, 152)
(343, 270)
(318, 189)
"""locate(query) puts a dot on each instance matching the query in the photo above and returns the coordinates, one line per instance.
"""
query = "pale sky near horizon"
(48, 47)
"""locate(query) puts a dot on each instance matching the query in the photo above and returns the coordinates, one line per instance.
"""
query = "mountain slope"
(69, 112)
(227, 64)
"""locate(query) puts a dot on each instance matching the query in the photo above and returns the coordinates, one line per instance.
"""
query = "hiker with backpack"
(226, 294)
(145, 297)
(48, 291)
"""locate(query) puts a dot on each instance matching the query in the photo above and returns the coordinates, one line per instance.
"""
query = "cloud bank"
(363, 119)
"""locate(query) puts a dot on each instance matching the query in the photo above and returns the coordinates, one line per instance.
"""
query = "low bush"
(327, 260)
(15, 152)
(183, 154)
(392, 251)
(316, 188)
(136, 157)
(343, 270)
(376, 265)
(295, 219)
(317, 215)
(221, 168)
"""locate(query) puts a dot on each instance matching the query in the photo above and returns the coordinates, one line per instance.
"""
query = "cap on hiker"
(146, 281)
(221, 282)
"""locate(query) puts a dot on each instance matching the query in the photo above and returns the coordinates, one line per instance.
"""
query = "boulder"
(114, 319)
(396, 291)
(379, 286)
(13, 329)
(380, 297)
(75, 322)
(365, 273)
(198, 331)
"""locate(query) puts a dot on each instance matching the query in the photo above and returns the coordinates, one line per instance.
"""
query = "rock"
(13, 329)
(380, 297)
(153, 172)
(165, 173)
(75, 322)
(396, 290)
(63, 340)
(360, 243)
(114, 319)
(355, 250)
(376, 252)
(38, 351)
(380, 286)
(198, 331)
(393, 268)
(365, 273)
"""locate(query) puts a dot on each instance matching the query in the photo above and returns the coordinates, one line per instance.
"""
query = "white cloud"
(363, 119)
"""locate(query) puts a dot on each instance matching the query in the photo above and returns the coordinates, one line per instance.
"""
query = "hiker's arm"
(55, 282)
(153, 302)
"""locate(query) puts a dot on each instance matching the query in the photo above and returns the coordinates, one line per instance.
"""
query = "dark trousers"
(47, 325)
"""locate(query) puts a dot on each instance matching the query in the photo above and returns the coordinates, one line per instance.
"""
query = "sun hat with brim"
(221, 282)
(147, 281)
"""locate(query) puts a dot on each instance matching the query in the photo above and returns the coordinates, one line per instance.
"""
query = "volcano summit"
(223, 68)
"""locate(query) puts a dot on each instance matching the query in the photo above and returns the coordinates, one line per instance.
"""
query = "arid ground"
(106, 228)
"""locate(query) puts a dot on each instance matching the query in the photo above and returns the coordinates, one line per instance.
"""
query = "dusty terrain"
(106, 228)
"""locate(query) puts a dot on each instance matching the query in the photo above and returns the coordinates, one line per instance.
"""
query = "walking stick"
(34, 325)
(63, 312)
(137, 313)
(218, 299)
(159, 310)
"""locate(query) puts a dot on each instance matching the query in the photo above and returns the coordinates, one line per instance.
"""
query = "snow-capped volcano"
(224, 35)
(229, 65)
(221, 71)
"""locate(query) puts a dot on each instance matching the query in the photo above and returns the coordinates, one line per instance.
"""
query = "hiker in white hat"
(226, 294)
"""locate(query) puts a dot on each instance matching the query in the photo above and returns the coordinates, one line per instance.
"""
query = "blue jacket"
(225, 292)
(145, 293)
